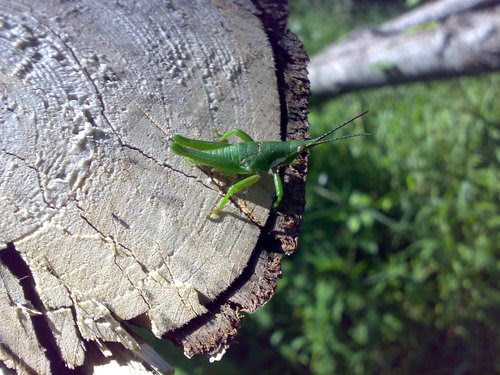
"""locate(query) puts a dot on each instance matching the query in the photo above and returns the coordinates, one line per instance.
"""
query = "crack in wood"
(166, 165)
(37, 171)
(15, 263)
(87, 75)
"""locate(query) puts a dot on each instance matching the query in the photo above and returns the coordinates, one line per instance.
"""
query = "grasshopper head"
(284, 153)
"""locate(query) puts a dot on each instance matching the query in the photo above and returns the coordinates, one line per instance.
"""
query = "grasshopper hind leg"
(240, 185)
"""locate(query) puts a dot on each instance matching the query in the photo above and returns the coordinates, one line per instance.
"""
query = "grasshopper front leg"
(278, 186)
(240, 185)
(237, 133)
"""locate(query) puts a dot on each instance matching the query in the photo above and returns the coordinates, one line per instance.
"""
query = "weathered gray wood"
(438, 40)
(19, 348)
(110, 224)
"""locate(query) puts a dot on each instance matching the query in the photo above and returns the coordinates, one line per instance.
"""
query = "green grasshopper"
(248, 157)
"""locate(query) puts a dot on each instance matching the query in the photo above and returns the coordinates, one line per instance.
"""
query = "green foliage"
(398, 266)
(398, 269)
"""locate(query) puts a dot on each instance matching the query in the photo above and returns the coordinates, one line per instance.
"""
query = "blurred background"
(397, 270)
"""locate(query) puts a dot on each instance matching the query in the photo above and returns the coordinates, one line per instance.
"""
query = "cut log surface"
(101, 223)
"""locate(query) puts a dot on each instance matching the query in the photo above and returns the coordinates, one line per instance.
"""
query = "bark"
(101, 223)
(438, 40)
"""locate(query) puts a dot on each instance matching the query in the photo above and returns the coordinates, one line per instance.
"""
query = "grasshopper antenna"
(339, 138)
(339, 127)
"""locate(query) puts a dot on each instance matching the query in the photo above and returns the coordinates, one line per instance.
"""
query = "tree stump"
(102, 224)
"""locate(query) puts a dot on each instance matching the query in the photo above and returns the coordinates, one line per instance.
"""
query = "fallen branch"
(439, 40)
